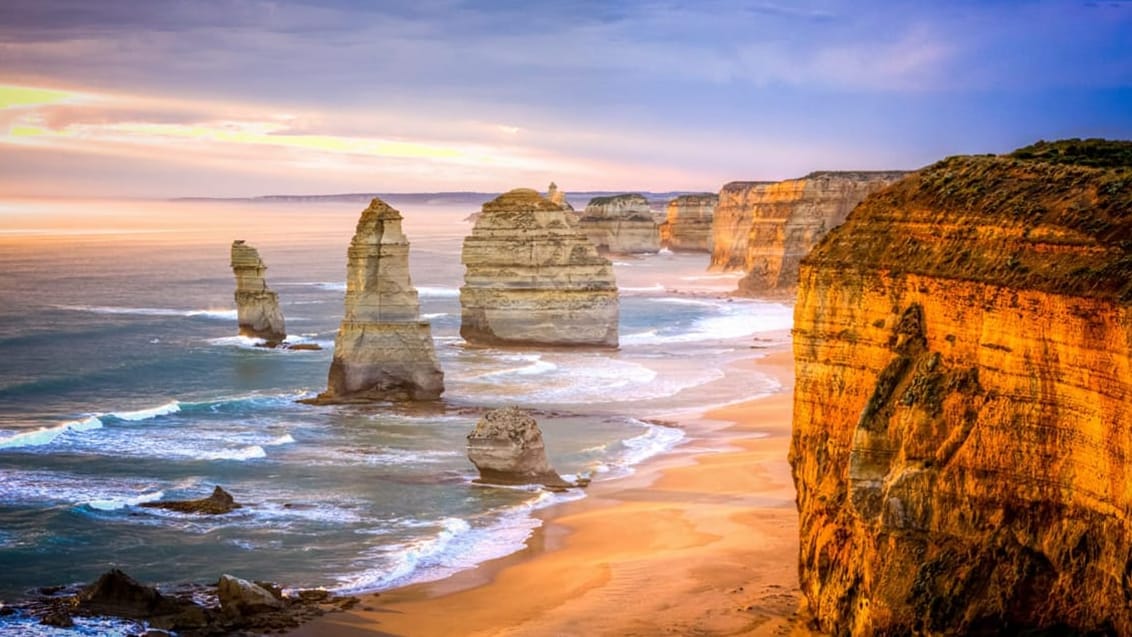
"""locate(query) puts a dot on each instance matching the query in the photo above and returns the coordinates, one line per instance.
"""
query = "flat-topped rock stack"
(257, 306)
(621, 224)
(687, 225)
(533, 278)
(383, 351)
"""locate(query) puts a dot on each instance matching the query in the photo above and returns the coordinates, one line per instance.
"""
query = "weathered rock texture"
(507, 448)
(688, 224)
(219, 503)
(558, 197)
(534, 279)
(622, 224)
(963, 407)
(383, 350)
(257, 307)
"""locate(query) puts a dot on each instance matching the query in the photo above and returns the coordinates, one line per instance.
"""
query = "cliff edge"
(963, 401)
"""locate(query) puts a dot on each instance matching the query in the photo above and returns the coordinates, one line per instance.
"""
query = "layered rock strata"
(257, 307)
(383, 350)
(532, 278)
(687, 226)
(963, 404)
(506, 447)
(556, 196)
(621, 224)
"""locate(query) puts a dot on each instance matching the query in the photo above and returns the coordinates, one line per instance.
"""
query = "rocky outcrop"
(257, 307)
(731, 223)
(622, 224)
(383, 351)
(557, 197)
(117, 594)
(687, 226)
(507, 448)
(963, 404)
(533, 278)
(240, 597)
(219, 503)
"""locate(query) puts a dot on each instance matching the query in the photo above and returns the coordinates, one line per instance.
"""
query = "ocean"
(122, 381)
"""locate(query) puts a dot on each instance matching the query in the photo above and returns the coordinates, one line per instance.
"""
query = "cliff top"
(381, 209)
(694, 198)
(1055, 217)
(520, 199)
(632, 197)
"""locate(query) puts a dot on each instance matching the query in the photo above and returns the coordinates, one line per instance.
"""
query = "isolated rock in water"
(622, 224)
(119, 595)
(687, 225)
(240, 597)
(506, 446)
(963, 401)
(218, 503)
(556, 196)
(257, 307)
(534, 279)
(383, 351)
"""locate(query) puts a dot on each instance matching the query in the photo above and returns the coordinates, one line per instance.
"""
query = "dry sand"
(703, 541)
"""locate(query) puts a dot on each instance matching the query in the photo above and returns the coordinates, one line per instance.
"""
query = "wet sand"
(701, 541)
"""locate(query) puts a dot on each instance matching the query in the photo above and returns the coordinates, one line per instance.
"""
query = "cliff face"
(383, 350)
(534, 279)
(687, 226)
(963, 404)
(622, 224)
(257, 307)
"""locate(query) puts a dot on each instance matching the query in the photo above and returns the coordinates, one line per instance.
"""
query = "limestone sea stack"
(507, 448)
(687, 225)
(621, 224)
(532, 278)
(963, 404)
(383, 351)
(257, 307)
(558, 197)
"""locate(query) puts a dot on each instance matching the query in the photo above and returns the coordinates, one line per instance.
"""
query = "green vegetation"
(1097, 153)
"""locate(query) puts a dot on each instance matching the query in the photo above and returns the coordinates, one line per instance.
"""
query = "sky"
(230, 98)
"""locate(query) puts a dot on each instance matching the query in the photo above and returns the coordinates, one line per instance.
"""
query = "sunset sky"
(250, 97)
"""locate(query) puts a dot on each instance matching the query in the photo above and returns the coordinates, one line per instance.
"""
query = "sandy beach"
(701, 541)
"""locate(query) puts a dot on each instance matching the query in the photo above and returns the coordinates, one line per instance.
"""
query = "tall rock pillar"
(257, 307)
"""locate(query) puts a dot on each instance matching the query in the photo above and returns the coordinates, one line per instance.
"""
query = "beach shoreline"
(699, 540)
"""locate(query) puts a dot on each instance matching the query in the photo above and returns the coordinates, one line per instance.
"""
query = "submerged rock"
(218, 503)
(257, 307)
(534, 279)
(622, 224)
(383, 351)
(507, 448)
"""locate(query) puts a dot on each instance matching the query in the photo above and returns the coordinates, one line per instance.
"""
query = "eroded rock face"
(240, 597)
(257, 307)
(622, 224)
(507, 448)
(556, 196)
(963, 404)
(533, 278)
(687, 226)
(383, 351)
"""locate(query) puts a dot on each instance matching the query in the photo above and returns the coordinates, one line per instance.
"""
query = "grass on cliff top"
(1054, 216)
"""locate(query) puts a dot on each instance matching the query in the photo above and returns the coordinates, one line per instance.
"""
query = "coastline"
(700, 540)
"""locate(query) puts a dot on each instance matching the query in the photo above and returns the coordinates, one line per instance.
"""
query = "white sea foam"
(114, 504)
(250, 452)
(47, 435)
(664, 251)
(654, 441)
(285, 439)
(533, 367)
(226, 315)
(732, 276)
(437, 292)
(435, 315)
(736, 320)
(656, 287)
(166, 409)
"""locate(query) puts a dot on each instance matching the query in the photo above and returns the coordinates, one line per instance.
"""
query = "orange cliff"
(962, 446)
(766, 228)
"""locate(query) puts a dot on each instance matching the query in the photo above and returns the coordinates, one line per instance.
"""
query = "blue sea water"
(122, 382)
